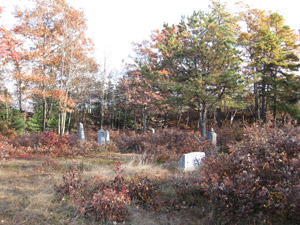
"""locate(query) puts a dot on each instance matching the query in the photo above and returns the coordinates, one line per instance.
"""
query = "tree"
(7, 44)
(140, 92)
(201, 58)
(59, 52)
(270, 49)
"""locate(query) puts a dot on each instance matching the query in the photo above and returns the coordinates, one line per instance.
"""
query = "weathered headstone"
(107, 136)
(81, 132)
(152, 130)
(191, 161)
(101, 136)
(212, 136)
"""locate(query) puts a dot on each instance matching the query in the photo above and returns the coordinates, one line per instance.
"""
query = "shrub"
(72, 182)
(145, 192)
(188, 190)
(55, 145)
(27, 140)
(105, 205)
(229, 134)
(258, 182)
(164, 145)
(103, 201)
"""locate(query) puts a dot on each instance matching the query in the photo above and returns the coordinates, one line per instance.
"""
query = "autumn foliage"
(258, 182)
(164, 145)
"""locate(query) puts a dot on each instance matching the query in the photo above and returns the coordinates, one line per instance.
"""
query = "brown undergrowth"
(28, 196)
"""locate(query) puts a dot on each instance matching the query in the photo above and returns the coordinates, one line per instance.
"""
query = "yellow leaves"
(6, 99)
(164, 72)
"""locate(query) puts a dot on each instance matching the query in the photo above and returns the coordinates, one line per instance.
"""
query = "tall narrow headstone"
(101, 136)
(81, 132)
(212, 136)
(107, 136)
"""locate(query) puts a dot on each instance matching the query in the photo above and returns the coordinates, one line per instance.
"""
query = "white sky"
(115, 24)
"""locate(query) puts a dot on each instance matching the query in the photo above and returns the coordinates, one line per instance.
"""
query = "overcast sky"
(115, 24)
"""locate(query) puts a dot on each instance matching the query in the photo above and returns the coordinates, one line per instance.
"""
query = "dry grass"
(27, 194)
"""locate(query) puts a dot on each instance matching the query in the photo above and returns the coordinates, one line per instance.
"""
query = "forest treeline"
(211, 66)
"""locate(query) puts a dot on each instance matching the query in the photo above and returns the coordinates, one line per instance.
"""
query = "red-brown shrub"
(106, 202)
(52, 144)
(165, 145)
(259, 181)
(30, 140)
(145, 192)
(229, 134)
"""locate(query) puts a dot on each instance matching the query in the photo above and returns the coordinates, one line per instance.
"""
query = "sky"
(114, 25)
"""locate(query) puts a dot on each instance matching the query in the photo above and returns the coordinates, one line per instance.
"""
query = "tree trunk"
(44, 114)
(119, 120)
(275, 103)
(101, 114)
(135, 128)
(263, 102)
(69, 122)
(203, 122)
(256, 110)
(112, 119)
(125, 118)
(219, 123)
(58, 124)
(63, 122)
(188, 118)
(199, 117)
(232, 116)
(179, 117)
(144, 119)
(202, 118)
(166, 119)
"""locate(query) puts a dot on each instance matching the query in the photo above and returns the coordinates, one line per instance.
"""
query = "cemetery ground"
(27, 193)
(251, 177)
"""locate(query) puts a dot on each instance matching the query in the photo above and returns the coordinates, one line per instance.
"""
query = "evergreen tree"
(271, 48)
(201, 56)
(18, 123)
(35, 123)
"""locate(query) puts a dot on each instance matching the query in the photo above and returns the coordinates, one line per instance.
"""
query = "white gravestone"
(191, 161)
(106, 136)
(81, 132)
(212, 136)
(101, 136)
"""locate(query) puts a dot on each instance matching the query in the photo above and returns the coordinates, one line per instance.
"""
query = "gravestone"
(152, 130)
(81, 132)
(101, 136)
(191, 161)
(212, 136)
(107, 136)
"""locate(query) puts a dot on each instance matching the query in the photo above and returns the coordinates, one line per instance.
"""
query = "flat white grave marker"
(191, 161)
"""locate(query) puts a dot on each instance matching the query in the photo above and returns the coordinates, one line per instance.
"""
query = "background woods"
(209, 69)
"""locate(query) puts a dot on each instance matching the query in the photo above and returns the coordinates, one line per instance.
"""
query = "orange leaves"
(6, 99)
(7, 45)
(64, 102)
(164, 72)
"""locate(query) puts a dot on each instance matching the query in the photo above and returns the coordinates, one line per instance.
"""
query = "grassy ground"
(27, 194)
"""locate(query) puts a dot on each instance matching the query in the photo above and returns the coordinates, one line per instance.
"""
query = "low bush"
(145, 192)
(188, 191)
(72, 182)
(258, 182)
(51, 144)
(228, 135)
(165, 145)
(103, 201)
(27, 140)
